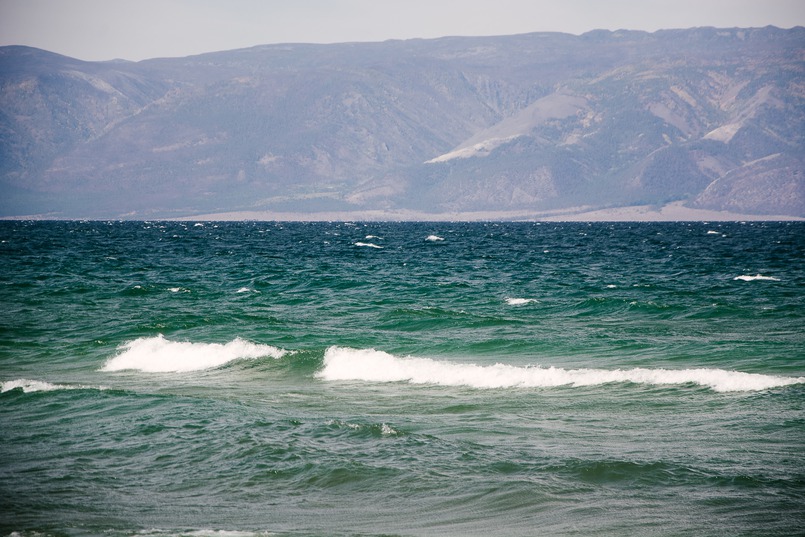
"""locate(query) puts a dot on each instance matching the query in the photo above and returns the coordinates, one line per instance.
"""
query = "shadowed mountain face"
(711, 117)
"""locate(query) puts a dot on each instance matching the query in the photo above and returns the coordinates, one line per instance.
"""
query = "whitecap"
(368, 245)
(434, 238)
(387, 430)
(159, 355)
(371, 365)
(519, 301)
(244, 290)
(178, 290)
(202, 533)
(29, 386)
(370, 237)
(339, 423)
(750, 278)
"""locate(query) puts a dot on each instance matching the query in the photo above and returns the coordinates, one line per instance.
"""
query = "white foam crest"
(29, 386)
(519, 301)
(385, 429)
(159, 355)
(371, 365)
(225, 533)
(367, 245)
(434, 238)
(178, 290)
(203, 533)
(750, 278)
(370, 237)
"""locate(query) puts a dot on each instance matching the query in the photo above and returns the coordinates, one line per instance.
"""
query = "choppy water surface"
(402, 379)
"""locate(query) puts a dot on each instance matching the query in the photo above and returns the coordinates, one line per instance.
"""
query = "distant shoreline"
(671, 212)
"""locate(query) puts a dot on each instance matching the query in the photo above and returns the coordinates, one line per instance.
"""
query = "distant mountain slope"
(711, 117)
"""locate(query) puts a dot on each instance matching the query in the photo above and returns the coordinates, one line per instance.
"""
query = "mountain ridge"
(525, 124)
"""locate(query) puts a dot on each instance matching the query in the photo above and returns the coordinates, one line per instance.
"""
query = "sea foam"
(159, 355)
(202, 533)
(519, 301)
(434, 238)
(29, 386)
(368, 245)
(371, 365)
(750, 278)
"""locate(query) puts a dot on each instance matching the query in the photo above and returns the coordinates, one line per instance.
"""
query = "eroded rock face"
(714, 118)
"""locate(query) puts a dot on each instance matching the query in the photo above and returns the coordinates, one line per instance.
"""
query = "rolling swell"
(160, 355)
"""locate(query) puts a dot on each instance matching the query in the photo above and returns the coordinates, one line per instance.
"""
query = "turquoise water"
(239, 379)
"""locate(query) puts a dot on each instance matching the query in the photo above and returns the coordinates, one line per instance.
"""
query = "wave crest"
(159, 355)
(29, 386)
(520, 301)
(371, 365)
(756, 277)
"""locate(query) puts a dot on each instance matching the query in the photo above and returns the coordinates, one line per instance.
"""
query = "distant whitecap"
(387, 430)
(178, 290)
(434, 238)
(750, 278)
(368, 245)
(519, 301)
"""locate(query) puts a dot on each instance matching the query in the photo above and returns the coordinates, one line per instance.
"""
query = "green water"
(238, 379)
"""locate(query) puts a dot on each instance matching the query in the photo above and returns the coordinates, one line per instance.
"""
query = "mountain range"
(526, 125)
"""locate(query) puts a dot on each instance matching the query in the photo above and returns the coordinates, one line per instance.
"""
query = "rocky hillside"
(536, 122)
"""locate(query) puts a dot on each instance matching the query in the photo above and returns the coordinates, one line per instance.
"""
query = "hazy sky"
(139, 29)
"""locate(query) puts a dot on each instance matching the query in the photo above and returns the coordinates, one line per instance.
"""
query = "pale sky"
(140, 29)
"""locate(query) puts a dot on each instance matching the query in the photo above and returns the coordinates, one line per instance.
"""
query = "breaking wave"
(371, 365)
(159, 355)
